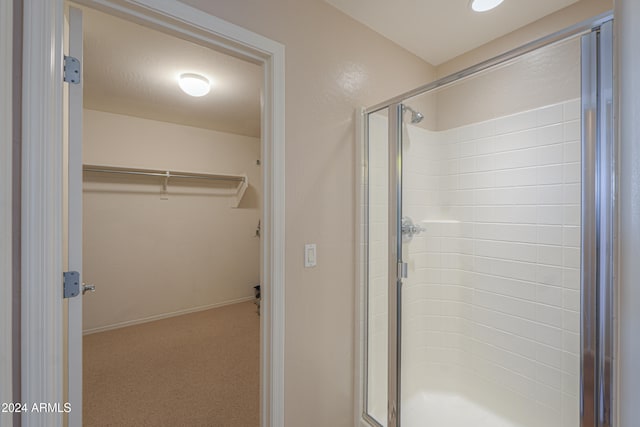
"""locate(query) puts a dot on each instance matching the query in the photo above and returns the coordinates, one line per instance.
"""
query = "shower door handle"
(403, 270)
(409, 229)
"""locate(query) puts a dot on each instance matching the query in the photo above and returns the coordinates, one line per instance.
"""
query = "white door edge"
(41, 232)
(74, 214)
(42, 329)
(6, 118)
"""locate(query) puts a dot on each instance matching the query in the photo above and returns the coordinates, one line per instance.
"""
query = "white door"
(74, 370)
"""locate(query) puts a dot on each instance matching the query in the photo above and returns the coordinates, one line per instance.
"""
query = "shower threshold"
(438, 409)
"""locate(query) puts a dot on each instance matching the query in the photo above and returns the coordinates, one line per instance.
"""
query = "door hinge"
(71, 70)
(71, 284)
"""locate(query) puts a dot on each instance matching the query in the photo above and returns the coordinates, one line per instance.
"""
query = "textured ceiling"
(439, 30)
(130, 69)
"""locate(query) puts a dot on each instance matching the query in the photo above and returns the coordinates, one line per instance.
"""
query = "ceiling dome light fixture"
(194, 84)
(484, 5)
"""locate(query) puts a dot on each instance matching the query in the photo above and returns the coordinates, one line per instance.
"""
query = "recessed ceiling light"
(484, 5)
(194, 84)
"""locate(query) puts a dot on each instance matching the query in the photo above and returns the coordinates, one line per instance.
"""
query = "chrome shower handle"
(409, 229)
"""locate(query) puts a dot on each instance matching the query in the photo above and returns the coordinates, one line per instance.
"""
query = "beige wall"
(543, 77)
(333, 65)
(577, 12)
(150, 257)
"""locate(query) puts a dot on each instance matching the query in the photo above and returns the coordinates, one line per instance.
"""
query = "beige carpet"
(200, 369)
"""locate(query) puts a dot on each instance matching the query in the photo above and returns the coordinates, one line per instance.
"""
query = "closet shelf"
(241, 180)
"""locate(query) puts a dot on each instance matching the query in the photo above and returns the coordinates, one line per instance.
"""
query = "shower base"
(435, 409)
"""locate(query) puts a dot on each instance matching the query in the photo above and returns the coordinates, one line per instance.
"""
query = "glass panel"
(491, 306)
(376, 232)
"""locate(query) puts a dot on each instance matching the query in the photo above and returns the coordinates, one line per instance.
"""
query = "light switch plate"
(310, 255)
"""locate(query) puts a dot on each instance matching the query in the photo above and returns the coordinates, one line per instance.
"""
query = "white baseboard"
(165, 315)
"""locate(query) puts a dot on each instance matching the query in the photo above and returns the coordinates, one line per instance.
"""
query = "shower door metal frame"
(598, 222)
(395, 267)
(598, 219)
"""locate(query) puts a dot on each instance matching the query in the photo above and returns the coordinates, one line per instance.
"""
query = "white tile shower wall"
(435, 307)
(491, 307)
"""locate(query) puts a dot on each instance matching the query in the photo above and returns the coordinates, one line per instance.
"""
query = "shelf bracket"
(242, 187)
(165, 186)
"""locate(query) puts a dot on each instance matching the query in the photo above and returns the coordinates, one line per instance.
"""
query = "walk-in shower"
(488, 243)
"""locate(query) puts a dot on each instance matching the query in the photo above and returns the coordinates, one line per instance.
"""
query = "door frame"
(42, 189)
(6, 214)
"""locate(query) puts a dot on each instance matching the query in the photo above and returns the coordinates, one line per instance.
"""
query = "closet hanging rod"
(167, 174)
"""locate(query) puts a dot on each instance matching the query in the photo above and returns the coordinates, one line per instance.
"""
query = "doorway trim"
(6, 212)
(42, 327)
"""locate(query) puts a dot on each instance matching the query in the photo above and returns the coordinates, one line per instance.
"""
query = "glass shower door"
(491, 305)
(375, 270)
(488, 241)
(495, 180)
